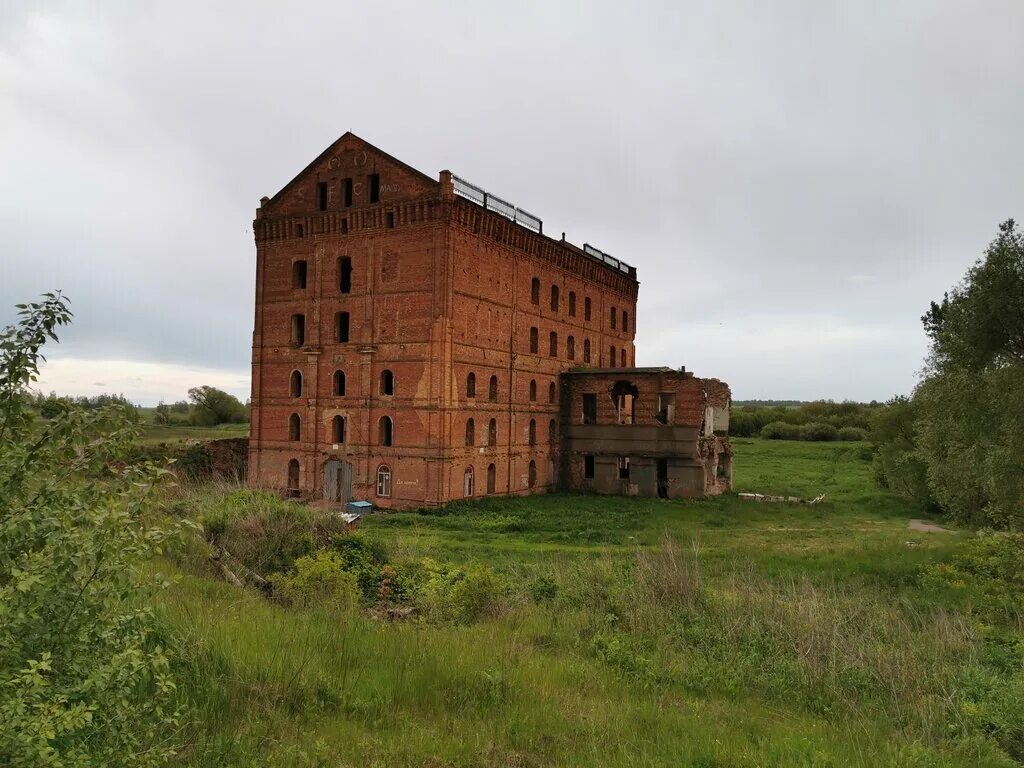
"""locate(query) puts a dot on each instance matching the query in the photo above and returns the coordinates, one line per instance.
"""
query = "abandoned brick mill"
(418, 340)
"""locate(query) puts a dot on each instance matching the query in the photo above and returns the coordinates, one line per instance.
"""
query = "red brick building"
(410, 333)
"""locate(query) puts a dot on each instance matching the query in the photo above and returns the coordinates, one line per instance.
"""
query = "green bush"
(319, 581)
(362, 558)
(780, 430)
(447, 593)
(818, 432)
(852, 434)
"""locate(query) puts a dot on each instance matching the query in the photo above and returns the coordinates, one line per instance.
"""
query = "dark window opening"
(554, 298)
(387, 382)
(625, 320)
(298, 330)
(590, 409)
(553, 344)
(293, 477)
(586, 350)
(300, 230)
(572, 304)
(532, 477)
(612, 318)
(321, 195)
(389, 220)
(623, 468)
(623, 358)
(341, 327)
(570, 348)
(471, 385)
(345, 274)
(294, 427)
(588, 467)
(611, 357)
(666, 407)
(586, 308)
(346, 193)
(295, 384)
(552, 431)
(491, 478)
(662, 470)
(532, 432)
(467, 482)
(374, 187)
(299, 271)
(533, 390)
(624, 396)
(552, 392)
(535, 291)
(470, 433)
(492, 389)
(492, 432)
(534, 340)
(344, 226)
(339, 384)
(338, 430)
(386, 430)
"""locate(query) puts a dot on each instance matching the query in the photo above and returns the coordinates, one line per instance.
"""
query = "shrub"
(852, 433)
(816, 431)
(459, 595)
(364, 559)
(780, 430)
(319, 581)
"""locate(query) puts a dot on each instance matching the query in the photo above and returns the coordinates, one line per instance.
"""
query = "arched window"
(338, 429)
(294, 427)
(295, 384)
(293, 477)
(492, 389)
(534, 340)
(572, 303)
(552, 431)
(470, 432)
(553, 344)
(532, 435)
(570, 348)
(612, 318)
(338, 386)
(532, 480)
(535, 291)
(298, 330)
(622, 357)
(299, 274)
(625, 320)
(554, 298)
(552, 392)
(467, 482)
(387, 382)
(533, 390)
(492, 432)
(491, 478)
(384, 480)
(586, 350)
(385, 431)
(586, 308)
(471, 385)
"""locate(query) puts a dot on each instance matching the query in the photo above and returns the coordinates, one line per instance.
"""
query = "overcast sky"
(794, 181)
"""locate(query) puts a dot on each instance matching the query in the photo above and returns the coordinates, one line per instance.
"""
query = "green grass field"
(622, 632)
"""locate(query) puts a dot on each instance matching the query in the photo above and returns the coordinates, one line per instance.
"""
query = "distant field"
(153, 434)
(625, 632)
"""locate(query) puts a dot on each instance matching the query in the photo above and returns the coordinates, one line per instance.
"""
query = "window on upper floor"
(535, 291)
(586, 308)
(321, 195)
(471, 385)
(590, 409)
(346, 193)
(492, 389)
(470, 433)
(345, 274)
(338, 385)
(341, 327)
(586, 350)
(572, 304)
(338, 429)
(385, 431)
(612, 317)
(295, 384)
(625, 320)
(294, 427)
(554, 298)
(374, 184)
(552, 344)
(533, 390)
(552, 392)
(298, 330)
(387, 382)
(570, 348)
(299, 270)
(534, 340)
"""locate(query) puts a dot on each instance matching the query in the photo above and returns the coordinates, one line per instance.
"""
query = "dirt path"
(925, 527)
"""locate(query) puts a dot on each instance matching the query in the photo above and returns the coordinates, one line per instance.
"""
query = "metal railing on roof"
(494, 203)
(504, 208)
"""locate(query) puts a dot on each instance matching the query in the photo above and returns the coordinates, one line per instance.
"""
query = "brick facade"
(399, 281)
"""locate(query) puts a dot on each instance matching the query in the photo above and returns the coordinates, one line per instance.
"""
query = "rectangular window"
(611, 357)
(346, 192)
(612, 318)
(341, 330)
(588, 467)
(344, 226)
(625, 320)
(590, 409)
(390, 220)
(586, 308)
(321, 195)
(572, 304)
(299, 272)
(553, 344)
(374, 182)
(534, 340)
(345, 274)
(623, 468)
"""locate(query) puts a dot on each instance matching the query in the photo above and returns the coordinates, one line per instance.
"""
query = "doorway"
(662, 478)
(337, 481)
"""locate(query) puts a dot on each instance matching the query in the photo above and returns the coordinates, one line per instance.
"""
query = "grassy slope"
(807, 599)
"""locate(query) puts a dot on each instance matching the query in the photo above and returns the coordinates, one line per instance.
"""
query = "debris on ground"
(776, 499)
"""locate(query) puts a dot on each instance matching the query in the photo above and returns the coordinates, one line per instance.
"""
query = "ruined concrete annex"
(418, 340)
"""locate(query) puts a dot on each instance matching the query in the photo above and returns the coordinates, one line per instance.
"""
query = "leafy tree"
(84, 680)
(212, 406)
